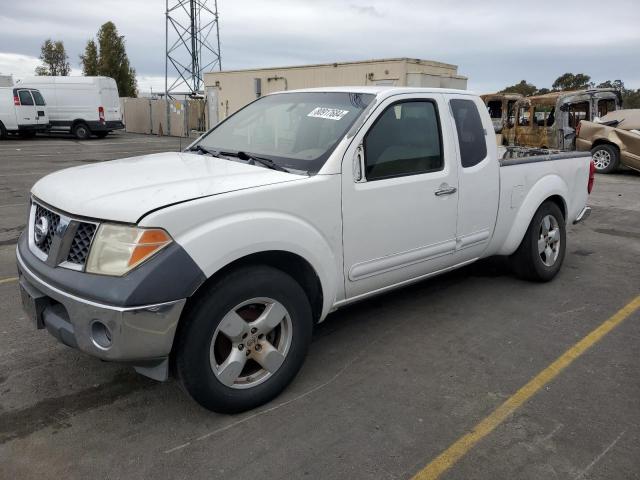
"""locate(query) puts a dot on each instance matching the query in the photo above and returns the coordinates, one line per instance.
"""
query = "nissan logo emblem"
(40, 230)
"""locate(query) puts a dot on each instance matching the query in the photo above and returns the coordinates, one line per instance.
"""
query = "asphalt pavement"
(389, 383)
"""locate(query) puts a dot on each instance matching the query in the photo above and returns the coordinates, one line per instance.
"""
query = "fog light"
(100, 334)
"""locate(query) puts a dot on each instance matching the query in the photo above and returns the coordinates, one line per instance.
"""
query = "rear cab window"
(471, 132)
(25, 98)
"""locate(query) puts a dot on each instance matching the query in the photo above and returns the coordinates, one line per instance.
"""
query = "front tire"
(605, 158)
(541, 253)
(244, 339)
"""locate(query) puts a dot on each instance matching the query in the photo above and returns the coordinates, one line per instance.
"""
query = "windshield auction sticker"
(328, 113)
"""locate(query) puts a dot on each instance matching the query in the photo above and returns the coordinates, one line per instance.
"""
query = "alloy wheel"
(251, 343)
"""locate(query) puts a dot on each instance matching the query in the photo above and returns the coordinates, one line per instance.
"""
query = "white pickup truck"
(215, 263)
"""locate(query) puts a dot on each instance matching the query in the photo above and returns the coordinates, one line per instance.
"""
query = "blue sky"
(494, 42)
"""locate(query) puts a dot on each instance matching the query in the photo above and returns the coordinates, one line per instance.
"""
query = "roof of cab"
(380, 91)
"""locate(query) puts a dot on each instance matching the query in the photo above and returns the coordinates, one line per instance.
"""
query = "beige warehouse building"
(230, 90)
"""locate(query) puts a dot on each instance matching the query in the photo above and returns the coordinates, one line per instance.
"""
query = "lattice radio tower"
(192, 40)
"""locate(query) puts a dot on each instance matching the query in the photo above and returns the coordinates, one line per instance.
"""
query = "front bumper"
(140, 335)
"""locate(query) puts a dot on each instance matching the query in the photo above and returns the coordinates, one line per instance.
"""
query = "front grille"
(81, 242)
(52, 220)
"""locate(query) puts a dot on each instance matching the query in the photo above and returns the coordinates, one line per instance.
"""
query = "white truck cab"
(22, 111)
(82, 106)
(219, 260)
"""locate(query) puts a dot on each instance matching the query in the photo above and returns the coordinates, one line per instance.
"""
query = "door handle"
(445, 190)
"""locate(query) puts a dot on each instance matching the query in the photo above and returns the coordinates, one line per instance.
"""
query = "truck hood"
(125, 190)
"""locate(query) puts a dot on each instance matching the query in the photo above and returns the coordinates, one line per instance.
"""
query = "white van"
(22, 110)
(80, 105)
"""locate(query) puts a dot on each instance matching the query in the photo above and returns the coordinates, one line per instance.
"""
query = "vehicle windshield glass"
(37, 97)
(296, 130)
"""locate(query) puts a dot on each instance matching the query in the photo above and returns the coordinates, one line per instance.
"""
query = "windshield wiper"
(251, 159)
(267, 162)
(201, 149)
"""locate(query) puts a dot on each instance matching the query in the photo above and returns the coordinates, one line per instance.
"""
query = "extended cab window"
(404, 140)
(471, 134)
(38, 98)
(25, 97)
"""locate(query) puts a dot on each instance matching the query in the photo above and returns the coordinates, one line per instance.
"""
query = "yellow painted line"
(460, 447)
(8, 280)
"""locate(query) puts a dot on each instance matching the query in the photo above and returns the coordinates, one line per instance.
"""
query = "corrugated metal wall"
(145, 115)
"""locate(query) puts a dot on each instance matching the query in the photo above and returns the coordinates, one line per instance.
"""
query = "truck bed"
(533, 176)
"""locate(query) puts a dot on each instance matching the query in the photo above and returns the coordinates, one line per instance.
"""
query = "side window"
(577, 113)
(523, 116)
(495, 108)
(543, 115)
(605, 106)
(25, 97)
(471, 133)
(510, 113)
(405, 140)
(38, 98)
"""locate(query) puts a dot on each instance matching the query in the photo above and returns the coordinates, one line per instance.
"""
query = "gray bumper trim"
(583, 215)
(138, 334)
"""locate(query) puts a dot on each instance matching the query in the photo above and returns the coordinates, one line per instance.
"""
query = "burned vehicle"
(550, 120)
(500, 107)
(614, 140)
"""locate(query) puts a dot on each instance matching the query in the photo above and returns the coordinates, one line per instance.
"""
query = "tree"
(569, 81)
(89, 60)
(54, 58)
(523, 88)
(631, 98)
(110, 60)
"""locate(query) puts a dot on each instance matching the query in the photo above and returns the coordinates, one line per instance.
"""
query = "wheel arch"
(292, 264)
(550, 188)
(76, 122)
(604, 141)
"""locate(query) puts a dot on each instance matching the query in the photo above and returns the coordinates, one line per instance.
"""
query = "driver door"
(399, 197)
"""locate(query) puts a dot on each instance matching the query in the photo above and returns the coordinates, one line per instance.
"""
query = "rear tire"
(81, 131)
(3, 132)
(227, 337)
(541, 253)
(605, 157)
(101, 134)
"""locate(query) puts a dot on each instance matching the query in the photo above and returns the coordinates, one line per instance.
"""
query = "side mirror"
(358, 160)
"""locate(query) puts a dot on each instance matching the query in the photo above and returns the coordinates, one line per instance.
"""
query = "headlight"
(117, 249)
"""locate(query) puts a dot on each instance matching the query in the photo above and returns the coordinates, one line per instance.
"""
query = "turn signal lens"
(117, 249)
(149, 242)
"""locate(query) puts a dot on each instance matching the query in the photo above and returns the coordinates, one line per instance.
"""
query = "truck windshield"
(295, 130)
